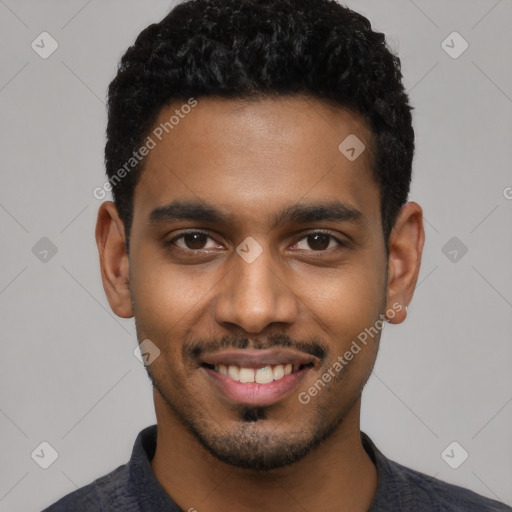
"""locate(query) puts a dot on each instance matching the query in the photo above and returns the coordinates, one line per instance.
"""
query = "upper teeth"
(259, 375)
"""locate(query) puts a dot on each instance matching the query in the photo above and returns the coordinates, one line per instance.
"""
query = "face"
(257, 259)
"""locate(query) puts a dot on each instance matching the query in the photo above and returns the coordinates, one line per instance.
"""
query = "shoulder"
(402, 489)
(420, 490)
(104, 494)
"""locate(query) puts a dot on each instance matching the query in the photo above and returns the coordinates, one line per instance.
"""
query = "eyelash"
(172, 242)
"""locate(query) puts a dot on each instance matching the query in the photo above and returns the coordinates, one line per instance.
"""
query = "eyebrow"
(304, 213)
(188, 210)
(299, 213)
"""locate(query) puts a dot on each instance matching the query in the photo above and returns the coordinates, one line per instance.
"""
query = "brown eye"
(318, 242)
(194, 241)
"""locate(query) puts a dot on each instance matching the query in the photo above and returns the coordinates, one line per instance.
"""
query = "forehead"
(255, 157)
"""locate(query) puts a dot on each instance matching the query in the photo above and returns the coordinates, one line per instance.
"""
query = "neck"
(338, 475)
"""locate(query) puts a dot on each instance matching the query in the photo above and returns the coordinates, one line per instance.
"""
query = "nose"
(255, 295)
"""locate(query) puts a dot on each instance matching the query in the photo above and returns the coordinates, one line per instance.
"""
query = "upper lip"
(249, 358)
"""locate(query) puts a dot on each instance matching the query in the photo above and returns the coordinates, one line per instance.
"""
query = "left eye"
(318, 242)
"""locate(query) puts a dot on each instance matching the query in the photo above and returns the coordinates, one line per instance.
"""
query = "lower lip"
(252, 393)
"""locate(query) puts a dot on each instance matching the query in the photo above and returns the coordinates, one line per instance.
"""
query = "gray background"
(67, 369)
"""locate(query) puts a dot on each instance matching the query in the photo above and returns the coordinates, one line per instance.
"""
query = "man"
(260, 157)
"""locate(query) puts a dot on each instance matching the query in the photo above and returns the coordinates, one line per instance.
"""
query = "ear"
(114, 263)
(405, 248)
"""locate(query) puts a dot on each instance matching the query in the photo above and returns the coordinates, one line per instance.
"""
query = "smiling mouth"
(263, 375)
(257, 377)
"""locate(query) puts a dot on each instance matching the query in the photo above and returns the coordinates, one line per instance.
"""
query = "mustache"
(196, 348)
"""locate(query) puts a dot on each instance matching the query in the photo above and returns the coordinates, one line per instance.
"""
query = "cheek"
(166, 292)
(348, 299)
(167, 301)
(346, 305)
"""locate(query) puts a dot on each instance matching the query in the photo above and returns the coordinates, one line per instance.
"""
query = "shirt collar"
(143, 484)
(152, 496)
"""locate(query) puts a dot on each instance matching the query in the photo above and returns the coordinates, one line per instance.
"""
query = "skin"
(251, 160)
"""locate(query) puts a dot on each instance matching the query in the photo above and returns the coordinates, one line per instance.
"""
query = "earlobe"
(405, 249)
(114, 262)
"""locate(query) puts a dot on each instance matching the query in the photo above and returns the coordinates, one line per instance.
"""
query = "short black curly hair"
(262, 48)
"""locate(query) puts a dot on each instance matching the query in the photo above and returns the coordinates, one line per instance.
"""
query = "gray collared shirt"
(133, 487)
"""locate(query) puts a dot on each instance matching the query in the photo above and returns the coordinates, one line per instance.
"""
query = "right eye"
(194, 241)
